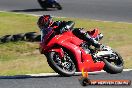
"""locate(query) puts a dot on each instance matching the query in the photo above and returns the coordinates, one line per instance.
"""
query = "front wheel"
(64, 66)
(114, 64)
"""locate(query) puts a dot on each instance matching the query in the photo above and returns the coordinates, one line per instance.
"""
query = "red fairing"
(72, 43)
(88, 64)
(60, 51)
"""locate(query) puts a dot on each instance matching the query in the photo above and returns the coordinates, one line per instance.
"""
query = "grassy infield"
(23, 57)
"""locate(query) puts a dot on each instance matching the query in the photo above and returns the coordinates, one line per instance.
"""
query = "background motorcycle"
(45, 4)
(67, 54)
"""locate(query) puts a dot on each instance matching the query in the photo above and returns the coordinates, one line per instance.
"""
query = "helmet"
(44, 21)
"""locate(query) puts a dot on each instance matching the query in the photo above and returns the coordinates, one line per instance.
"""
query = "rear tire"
(30, 36)
(18, 37)
(52, 61)
(42, 3)
(114, 69)
(58, 6)
(6, 38)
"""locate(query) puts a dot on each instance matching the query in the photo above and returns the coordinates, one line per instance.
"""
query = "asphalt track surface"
(108, 10)
(60, 82)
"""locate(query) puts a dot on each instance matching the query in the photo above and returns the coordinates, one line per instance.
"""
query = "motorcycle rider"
(45, 4)
(51, 1)
(46, 25)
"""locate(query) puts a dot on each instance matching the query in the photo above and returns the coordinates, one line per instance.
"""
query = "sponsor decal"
(85, 81)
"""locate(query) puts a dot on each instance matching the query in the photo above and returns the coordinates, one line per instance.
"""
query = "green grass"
(18, 58)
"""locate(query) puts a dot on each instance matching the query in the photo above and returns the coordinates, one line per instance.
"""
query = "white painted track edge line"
(76, 73)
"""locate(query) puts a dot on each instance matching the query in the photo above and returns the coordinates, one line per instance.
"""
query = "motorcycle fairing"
(71, 42)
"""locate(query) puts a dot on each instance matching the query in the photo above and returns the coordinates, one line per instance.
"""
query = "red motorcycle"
(67, 54)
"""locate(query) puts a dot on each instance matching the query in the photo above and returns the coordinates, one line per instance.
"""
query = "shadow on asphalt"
(29, 76)
(26, 76)
(33, 10)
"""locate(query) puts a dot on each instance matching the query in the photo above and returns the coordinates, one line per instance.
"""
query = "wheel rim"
(65, 64)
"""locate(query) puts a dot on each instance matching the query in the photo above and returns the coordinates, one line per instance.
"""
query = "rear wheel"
(64, 66)
(43, 4)
(114, 65)
(58, 6)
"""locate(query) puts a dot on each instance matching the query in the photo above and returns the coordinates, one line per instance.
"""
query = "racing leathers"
(62, 26)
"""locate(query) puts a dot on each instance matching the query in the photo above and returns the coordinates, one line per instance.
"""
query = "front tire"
(115, 68)
(63, 66)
